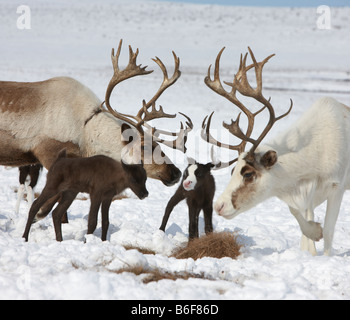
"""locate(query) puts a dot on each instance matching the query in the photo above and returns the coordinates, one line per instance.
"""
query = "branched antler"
(241, 84)
(148, 110)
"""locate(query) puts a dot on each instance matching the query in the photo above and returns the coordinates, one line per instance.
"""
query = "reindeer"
(38, 119)
(198, 188)
(305, 166)
(100, 176)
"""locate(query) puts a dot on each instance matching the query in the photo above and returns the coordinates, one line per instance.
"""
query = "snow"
(75, 40)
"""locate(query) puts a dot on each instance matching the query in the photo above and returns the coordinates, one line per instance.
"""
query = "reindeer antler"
(241, 84)
(130, 71)
(144, 114)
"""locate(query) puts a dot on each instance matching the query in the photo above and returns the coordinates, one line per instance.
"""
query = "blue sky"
(274, 3)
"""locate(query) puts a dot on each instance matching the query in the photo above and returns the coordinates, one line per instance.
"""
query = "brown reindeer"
(38, 119)
(100, 176)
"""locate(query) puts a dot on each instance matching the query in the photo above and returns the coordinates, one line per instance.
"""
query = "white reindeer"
(304, 167)
(38, 119)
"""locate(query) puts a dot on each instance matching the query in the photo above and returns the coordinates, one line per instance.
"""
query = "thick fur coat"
(304, 167)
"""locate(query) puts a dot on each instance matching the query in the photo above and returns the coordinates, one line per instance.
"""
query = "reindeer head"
(249, 182)
(136, 177)
(146, 142)
(195, 174)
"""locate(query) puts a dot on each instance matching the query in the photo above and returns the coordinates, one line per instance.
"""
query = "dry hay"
(148, 274)
(143, 250)
(155, 274)
(215, 245)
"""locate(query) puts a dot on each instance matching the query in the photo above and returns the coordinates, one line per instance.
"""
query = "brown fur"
(100, 176)
(244, 192)
(250, 172)
(32, 172)
(25, 98)
(34, 102)
(20, 96)
(11, 152)
(46, 151)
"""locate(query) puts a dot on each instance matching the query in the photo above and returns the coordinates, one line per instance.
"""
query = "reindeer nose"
(187, 184)
(144, 195)
(219, 208)
(176, 175)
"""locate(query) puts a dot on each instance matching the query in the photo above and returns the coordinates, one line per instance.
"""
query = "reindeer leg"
(193, 213)
(23, 172)
(93, 213)
(46, 207)
(45, 195)
(174, 200)
(306, 243)
(30, 195)
(310, 229)
(66, 200)
(65, 218)
(20, 194)
(34, 172)
(333, 208)
(208, 217)
(105, 219)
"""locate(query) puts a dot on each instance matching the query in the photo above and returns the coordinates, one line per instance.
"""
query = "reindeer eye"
(248, 175)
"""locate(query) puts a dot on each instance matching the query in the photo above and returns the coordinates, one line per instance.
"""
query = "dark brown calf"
(198, 188)
(100, 176)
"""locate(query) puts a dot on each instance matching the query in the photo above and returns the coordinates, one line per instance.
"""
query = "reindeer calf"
(198, 188)
(100, 176)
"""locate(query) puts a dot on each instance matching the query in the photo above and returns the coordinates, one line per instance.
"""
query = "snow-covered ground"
(75, 40)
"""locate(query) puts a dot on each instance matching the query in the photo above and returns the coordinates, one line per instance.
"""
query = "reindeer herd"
(88, 146)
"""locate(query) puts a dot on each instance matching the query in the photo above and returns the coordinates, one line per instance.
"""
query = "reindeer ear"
(125, 126)
(127, 133)
(269, 159)
(210, 165)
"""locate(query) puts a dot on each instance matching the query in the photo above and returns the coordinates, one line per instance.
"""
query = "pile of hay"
(215, 245)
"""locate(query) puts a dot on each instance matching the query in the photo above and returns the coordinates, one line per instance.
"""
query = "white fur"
(20, 193)
(191, 180)
(313, 166)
